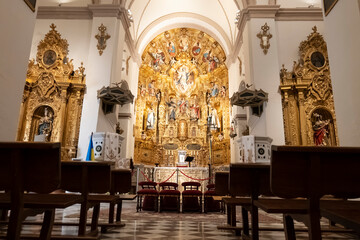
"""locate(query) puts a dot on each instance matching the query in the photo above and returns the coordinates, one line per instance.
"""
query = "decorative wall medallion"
(102, 37)
(49, 57)
(264, 36)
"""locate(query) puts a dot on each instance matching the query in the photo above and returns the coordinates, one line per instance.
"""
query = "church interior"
(164, 107)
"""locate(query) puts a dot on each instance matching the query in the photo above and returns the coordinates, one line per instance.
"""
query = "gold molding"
(102, 37)
(53, 95)
(264, 37)
(307, 97)
(182, 78)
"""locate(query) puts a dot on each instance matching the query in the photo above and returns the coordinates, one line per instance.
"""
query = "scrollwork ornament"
(265, 37)
(102, 37)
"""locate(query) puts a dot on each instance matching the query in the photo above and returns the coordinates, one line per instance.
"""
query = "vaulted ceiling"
(215, 17)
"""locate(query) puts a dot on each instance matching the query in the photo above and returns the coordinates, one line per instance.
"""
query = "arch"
(322, 118)
(184, 80)
(188, 20)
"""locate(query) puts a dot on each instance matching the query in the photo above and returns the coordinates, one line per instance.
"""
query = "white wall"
(290, 35)
(343, 38)
(265, 75)
(17, 25)
(76, 32)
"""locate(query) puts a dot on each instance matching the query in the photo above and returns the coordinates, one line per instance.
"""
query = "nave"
(166, 225)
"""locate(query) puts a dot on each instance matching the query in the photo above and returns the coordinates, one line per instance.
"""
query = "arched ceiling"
(215, 17)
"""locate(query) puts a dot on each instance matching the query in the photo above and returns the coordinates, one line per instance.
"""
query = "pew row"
(311, 173)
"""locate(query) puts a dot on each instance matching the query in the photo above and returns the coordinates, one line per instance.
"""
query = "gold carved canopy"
(307, 96)
(182, 105)
(53, 96)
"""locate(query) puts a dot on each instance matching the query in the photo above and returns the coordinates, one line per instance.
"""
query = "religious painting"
(183, 79)
(328, 5)
(196, 49)
(171, 49)
(31, 4)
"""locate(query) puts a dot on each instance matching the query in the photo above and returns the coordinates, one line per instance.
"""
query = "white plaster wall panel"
(265, 69)
(343, 37)
(76, 32)
(98, 75)
(15, 49)
(290, 35)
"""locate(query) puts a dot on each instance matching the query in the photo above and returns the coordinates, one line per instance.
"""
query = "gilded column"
(302, 115)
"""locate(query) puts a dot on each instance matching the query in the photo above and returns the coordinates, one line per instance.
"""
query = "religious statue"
(194, 111)
(158, 59)
(223, 91)
(233, 129)
(45, 124)
(172, 108)
(196, 49)
(151, 89)
(213, 119)
(150, 122)
(183, 104)
(321, 131)
(214, 90)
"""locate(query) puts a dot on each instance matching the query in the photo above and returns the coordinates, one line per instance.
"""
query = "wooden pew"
(310, 172)
(33, 167)
(246, 182)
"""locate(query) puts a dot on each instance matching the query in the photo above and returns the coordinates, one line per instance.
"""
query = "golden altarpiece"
(182, 106)
(307, 96)
(53, 96)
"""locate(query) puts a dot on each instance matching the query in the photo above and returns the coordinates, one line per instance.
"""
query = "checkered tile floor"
(142, 229)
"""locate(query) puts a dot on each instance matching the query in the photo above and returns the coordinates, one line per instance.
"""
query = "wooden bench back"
(37, 163)
(315, 171)
(85, 177)
(249, 179)
(222, 183)
(120, 180)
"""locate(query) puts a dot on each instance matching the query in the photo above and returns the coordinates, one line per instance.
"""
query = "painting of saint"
(183, 78)
(213, 63)
(171, 49)
(206, 56)
(196, 49)
(184, 45)
(158, 59)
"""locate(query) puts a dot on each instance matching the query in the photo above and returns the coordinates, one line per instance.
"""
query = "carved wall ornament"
(53, 96)
(307, 96)
(182, 80)
(265, 37)
(102, 37)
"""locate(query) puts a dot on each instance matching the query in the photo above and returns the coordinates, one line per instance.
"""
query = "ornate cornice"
(63, 13)
(299, 14)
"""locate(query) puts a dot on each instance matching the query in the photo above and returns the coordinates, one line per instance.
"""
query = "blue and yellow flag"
(90, 153)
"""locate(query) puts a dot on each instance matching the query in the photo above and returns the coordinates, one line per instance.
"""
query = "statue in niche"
(213, 63)
(183, 105)
(151, 89)
(213, 119)
(46, 124)
(150, 121)
(194, 111)
(158, 59)
(171, 108)
(321, 131)
(214, 90)
(223, 91)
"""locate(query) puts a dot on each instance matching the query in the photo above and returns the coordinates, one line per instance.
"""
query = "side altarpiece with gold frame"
(53, 96)
(307, 96)
(182, 105)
